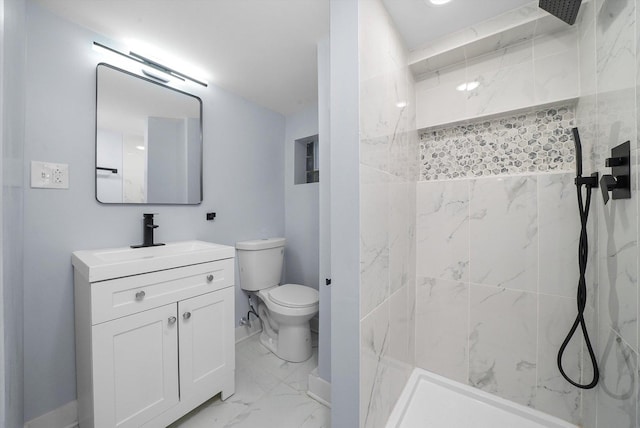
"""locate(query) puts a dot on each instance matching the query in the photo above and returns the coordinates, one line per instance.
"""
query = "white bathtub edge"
(397, 414)
(418, 375)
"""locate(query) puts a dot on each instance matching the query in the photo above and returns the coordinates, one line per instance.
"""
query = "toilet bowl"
(285, 310)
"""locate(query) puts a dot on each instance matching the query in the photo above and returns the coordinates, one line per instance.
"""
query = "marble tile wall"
(496, 256)
(496, 268)
(531, 73)
(489, 280)
(497, 31)
(496, 273)
(388, 171)
(607, 114)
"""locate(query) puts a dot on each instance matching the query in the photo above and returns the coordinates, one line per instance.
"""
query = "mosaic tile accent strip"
(537, 141)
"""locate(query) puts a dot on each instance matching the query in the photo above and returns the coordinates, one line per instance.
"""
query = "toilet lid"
(294, 296)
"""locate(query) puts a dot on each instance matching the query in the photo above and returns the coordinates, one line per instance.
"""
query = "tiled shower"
(492, 292)
(496, 251)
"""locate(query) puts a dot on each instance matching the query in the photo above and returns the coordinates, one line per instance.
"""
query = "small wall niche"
(306, 160)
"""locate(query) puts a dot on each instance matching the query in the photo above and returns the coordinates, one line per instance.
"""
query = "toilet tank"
(260, 263)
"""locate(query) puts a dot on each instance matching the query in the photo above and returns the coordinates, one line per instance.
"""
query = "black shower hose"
(583, 253)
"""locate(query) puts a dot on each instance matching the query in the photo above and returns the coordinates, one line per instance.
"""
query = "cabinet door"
(135, 367)
(207, 351)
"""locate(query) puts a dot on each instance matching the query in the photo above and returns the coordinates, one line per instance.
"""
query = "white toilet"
(285, 310)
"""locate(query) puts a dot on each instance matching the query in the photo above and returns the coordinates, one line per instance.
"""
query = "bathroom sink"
(177, 248)
(103, 264)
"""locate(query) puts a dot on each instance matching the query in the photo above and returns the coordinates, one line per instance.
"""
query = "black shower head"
(567, 10)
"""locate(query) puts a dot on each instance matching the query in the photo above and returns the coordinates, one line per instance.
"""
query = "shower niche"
(306, 160)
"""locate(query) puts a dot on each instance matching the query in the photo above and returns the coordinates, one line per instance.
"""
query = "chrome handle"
(172, 320)
(140, 295)
(186, 315)
(209, 278)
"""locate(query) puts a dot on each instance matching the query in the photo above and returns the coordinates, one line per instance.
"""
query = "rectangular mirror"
(148, 141)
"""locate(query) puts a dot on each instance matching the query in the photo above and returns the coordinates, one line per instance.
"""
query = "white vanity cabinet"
(153, 345)
(135, 360)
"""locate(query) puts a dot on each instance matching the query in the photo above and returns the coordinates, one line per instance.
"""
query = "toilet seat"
(293, 296)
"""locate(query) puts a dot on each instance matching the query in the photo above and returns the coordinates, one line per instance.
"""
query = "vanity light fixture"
(158, 75)
(153, 66)
(439, 2)
(468, 86)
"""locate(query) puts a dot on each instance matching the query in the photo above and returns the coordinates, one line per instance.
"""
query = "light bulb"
(468, 86)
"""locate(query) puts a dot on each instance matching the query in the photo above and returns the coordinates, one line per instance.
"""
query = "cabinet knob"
(172, 320)
(186, 315)
(209, 278)
(140, 295)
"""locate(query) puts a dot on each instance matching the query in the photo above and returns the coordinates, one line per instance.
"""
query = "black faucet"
(148, 232)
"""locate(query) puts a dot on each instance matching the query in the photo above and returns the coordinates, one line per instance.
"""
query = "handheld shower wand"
(578, 145)
(589, 183)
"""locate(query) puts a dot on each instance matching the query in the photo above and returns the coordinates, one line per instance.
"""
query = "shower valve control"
(611, 162)
(619, 181)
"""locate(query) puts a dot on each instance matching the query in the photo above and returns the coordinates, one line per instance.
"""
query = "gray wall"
(2, 309)
(301, 206)
(302, 226)
(345, 214)
(243, 183)
(12, 38)
(324, 241)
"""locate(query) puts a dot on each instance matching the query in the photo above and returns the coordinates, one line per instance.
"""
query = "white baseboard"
(244, 332)
(319, 389)
(62, 417)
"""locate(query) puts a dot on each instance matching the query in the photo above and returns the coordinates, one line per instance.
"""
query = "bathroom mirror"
(148, 141)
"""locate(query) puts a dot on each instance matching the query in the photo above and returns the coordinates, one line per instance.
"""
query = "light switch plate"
(47, 175)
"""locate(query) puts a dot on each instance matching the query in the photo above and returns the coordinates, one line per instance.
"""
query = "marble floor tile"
(270, 393)
(251, 352)
(284, 407)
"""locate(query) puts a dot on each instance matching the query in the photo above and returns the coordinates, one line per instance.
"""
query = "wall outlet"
(46, 175)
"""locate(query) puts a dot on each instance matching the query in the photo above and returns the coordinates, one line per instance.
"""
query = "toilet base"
(293, 343)
(268, 342)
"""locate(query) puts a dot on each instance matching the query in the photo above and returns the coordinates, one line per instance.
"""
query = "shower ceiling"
(419, 22)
